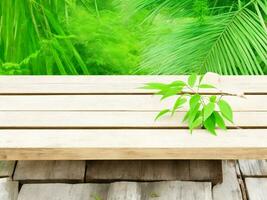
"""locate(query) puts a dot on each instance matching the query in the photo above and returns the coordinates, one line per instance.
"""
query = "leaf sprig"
(204, 111)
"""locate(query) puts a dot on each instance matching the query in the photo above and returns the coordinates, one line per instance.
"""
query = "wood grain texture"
(50, 171)
(117, 84)
(173, 190)
(131, 144)
(85, 106)
(8, 189)
(154, 170)
(124, 190)
(256, 188)
(60, 191)
(7, 168)
(206, 170)
(114, 103)
(229, 189)
(253, 167)
(126, 119)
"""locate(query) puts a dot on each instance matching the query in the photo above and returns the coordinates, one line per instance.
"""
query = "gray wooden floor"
(68, 180)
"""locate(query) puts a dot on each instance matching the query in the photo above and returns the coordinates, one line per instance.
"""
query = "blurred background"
(119, 37)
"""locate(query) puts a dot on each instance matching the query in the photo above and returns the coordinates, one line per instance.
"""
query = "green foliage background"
(71, 37)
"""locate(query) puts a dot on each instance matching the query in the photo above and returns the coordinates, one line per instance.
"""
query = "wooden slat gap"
(117, 127)
(122, 93)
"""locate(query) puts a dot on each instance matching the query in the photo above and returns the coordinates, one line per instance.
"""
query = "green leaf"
(196, 123)
(226, 110)
(232, 41)
(178, 83)
(161, 113)
(170, 92)
(155, 86)
(193, 112)
(192, 80)
(206, 86)
(179, 102)
(210, 124)
(201, 78)
(213, 99)
(194, 100)
(186, 116)
(208, 110)
(219, 120)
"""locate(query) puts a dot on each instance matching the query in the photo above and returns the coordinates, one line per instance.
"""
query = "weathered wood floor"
(81, 180)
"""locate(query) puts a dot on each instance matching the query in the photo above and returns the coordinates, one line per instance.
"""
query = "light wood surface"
(8, 189)
(114, 119)
(114, 102)
(253, 167)
(131, 144)
(110, 117)
(50, 171)
(117, 84)
(173, 190)
(256, 188)
(60, 191)
(124, 190)
(229, 189)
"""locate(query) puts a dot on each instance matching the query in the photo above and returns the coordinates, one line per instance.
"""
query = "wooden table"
(111, 118)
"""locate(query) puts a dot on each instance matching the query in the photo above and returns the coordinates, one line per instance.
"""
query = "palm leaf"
(234, 42)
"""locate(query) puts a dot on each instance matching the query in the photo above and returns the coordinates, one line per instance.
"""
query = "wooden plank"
(7, 168)
(60, 191)
(8, 189)
(114, 102)
(124, 190)
(131, 144)
(50, 171)
(229, 189)
(93, 119)
(256, 188)
(116, 84)
(154, 170)
(173, 190)
(205, 170)
(253, 167)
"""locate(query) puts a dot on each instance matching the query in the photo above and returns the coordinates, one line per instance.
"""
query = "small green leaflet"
(192, 80)
(193, 112)
(219, 120)
(161, 113)
(155, 86)
(186, 116)
(226, 110)
(210, 125)
(196, 123)
(170, 92)
(206, 86)
(201, 78)
(208, 110)
(178, 83)
(213, 99)
(194, 100)
(179, 102)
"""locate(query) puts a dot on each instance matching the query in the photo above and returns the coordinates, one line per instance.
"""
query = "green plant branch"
(202, 111)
